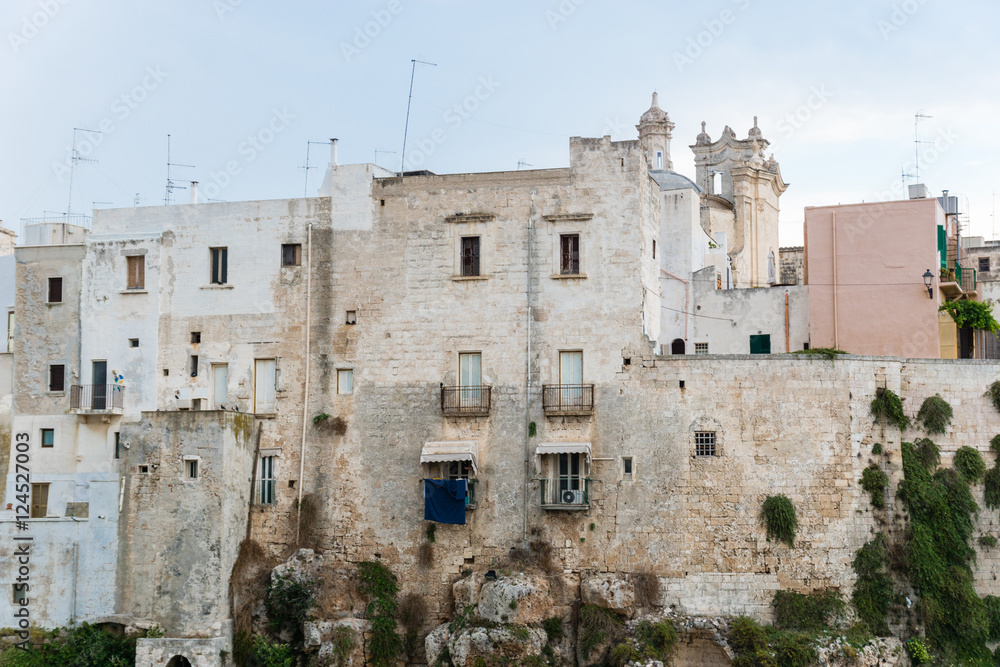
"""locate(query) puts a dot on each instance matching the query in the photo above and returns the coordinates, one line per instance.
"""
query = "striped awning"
(451, 450)
(546, 448)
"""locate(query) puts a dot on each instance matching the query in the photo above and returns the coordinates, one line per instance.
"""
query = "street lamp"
(928, 279)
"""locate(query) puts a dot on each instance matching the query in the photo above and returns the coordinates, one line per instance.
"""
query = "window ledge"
(568, 276)
(266, 415)
(53, 303)
(136, 290)
(55, 393)
(459, 279)
(216, 286)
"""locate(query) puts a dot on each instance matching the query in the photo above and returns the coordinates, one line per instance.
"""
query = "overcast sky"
(243, 85)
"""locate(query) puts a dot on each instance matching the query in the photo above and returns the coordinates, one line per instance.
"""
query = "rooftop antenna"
(305, 187)
(379, 150)
(406, 128)
(74, 158)
(523, 163)
(167, 198)
(917, 117)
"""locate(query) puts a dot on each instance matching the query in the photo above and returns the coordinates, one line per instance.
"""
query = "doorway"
(99, 377)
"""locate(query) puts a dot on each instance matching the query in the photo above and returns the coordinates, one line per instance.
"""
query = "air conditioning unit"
(183, 403)
(571, 497)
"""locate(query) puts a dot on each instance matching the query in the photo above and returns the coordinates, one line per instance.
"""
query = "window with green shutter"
(760, 344)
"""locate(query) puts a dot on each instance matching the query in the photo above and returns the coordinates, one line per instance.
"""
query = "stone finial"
(755, 132)
(655, 115)
(656, 101)
(703, 137)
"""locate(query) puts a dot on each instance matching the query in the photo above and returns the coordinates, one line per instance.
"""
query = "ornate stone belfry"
(740, 192)
(654, 133)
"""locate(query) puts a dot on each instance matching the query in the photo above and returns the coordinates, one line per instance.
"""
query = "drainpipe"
(687, 299)
(76, 567)
(305, 382)
(787, 342)
(836, 323)
(527, 384)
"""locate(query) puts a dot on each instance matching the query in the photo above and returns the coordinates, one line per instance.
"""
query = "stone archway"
(677, 347)
(179, 661)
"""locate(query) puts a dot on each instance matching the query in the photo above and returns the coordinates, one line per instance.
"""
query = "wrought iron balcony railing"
(568, 399)
(96, 398)
(566, 493)
(466, 401)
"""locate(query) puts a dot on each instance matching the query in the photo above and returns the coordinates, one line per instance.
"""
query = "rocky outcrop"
(466, 645)
(609, 591)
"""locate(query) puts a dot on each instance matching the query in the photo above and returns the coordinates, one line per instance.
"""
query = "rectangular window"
(194, 365)
(267, 491)
(48, 437)
(760, 344)
(143, 469)
(191, 468)
(10, 330)
(57, 377)
(39, 501)
(704, 443)
(55, 290)
(984, 264)
(345, 381)
(20, 593)
(220, 384)
(264, 377)
(627, 467)
(470, 256)
(470, 378)
(133, 342)
(569, 254)
(136, 272)
(352, 317)
(220, 269)
(654, 248)
(701, 348)
(291, 254)
(118, 445)
(195, 337)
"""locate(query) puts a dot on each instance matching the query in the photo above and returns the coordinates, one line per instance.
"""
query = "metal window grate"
(569, 256)
(470, 256)
(704, 443)
(701, 348)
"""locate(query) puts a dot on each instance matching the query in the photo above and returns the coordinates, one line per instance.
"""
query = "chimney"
(194, 192)
(333, 152)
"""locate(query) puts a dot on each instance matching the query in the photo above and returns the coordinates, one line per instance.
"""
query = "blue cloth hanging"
(444, 500)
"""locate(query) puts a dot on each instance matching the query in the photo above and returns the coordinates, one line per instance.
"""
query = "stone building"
(572, 341)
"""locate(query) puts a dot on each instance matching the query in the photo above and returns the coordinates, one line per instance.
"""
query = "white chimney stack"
(333, 152)
(194, 192)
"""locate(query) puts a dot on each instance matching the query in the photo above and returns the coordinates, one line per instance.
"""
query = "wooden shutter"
(39, 500)
(136, 272)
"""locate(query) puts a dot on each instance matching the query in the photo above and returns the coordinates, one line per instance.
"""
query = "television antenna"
(523, 163)
(406, 128)
(379, 150)
(171, 186)
(74, 158)
(305, 187)
(917, 117)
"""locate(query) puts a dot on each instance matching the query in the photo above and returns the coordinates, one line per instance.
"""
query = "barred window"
(701, 348)
(704, 443)
(470, 256)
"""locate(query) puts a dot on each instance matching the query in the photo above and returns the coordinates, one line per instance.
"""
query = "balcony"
(568, 399)
(466, 401)
(566, 493)
(96, 399)
(959, 280)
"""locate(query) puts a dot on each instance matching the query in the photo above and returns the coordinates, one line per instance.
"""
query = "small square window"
(194, 365)
(984, 264)
(57, 377)
(166, 372)
(352, 317)
(195, 337)
(627, 467)
(48, 437)
(133, 342)
(470, 256)
(191, 468)
(701, 348)
(55, 290)
(345, 381)
(136, 272)
(20, 593)
(569, 254)
(704, 443)
(143, 469)
(291, 254)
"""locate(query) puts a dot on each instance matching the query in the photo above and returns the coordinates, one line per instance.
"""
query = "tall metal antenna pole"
(74, 158)
(305, 187)
(170, 184)
(919, 116)
(406, 128)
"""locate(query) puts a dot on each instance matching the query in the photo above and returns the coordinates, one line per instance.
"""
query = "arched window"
(179, 661)
(677, 347)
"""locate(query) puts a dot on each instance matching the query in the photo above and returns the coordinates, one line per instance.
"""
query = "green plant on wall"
(778, 516)
(888, 406)
(874, 481)
(972, 314)
(289, 599)
(872, 593)
(969, 462)
(379, 585)
(935, 414)
(993, 392)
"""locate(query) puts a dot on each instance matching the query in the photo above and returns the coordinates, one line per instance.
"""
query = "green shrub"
(379, 585)
(935, 414)
(597, 627)
(624, 653)
(83, 646)
(343, 645)
(972, 314)
(918, 651)
(969, 462)
(888, 405)
(874, 481)
(987, 541)
(266, 654)
(927, 452)
(755, 646)
(993, 393)
(872, 593)
(830, 353)
(995, 444)
(289, 599)
(656, 639)
(806, 612)
(431, 533)
(747, 639)
(992, 605)
(553, 627)
(877, 448)
(778, 516)
(991, 487)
